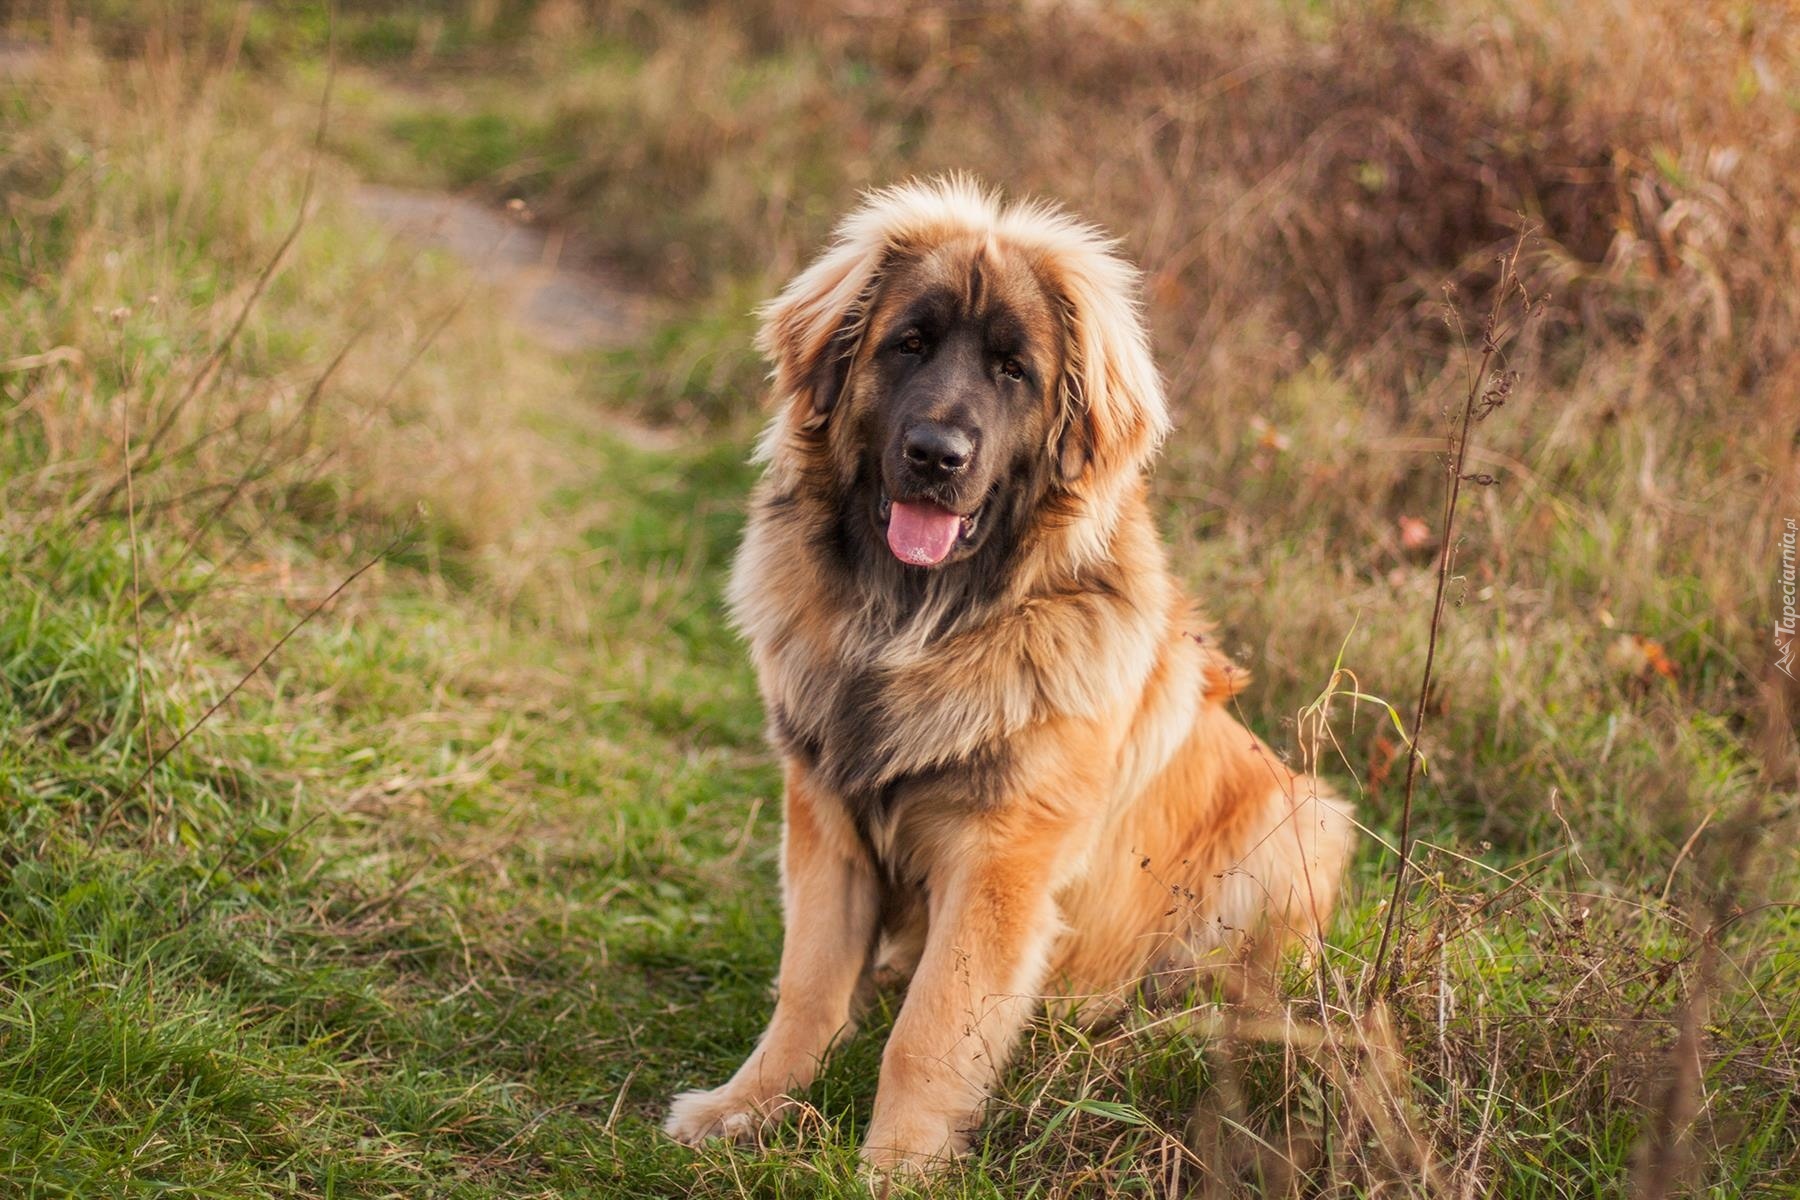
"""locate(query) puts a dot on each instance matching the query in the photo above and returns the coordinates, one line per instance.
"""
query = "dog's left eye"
(1012, 368)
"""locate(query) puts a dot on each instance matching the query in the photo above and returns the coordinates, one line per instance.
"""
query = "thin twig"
(420, 347)
(137, 607)
(1490, 350)
(257, 468)
(418, 351)
(314, 611)
(208, 891)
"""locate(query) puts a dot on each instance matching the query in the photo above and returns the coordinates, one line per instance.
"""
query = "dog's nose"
(938, 450)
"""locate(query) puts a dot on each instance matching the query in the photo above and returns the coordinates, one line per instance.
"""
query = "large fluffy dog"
(1010, 766)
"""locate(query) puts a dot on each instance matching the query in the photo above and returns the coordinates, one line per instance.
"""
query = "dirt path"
(563, 299)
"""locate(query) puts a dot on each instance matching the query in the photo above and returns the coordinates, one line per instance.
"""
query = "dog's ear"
(812, 331)
(1073, 441)
(1114, 412)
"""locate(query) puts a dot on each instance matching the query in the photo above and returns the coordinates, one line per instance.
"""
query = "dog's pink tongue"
(922, 534)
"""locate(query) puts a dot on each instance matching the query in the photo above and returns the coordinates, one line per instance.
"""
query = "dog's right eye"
(912, 343)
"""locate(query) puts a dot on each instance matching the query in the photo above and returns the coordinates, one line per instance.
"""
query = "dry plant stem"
(1664, 1158)
(393, 384)
(208, 891)
(1490, 350)
(419, 348)
(137, 612)
(260, 466)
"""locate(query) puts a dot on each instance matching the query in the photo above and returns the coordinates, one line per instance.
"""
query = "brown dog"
(1005, 751)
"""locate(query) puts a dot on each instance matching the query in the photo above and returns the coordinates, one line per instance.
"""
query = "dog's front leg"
(831, 901)
(992, 924)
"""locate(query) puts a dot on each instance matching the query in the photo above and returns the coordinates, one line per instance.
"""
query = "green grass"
(455, 892)
(357, 957)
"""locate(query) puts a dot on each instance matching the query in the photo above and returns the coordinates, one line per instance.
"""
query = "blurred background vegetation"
(448, 896)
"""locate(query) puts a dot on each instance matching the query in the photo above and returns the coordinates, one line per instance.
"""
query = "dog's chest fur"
(907, 701)
(863, 727)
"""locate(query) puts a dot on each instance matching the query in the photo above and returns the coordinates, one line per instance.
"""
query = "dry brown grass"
(243, 415)
(1299, 191)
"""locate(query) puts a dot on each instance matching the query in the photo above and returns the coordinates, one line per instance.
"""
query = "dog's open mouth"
(922, 533)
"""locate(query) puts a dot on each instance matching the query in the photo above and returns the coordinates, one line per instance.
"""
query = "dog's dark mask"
(955, 404)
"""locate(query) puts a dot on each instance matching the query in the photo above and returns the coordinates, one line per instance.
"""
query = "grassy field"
(383, 802)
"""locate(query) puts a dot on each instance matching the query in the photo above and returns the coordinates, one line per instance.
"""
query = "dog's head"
(949, 365)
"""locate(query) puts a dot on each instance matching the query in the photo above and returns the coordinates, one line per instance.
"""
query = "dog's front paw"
(907, 1153)
(720, 1113)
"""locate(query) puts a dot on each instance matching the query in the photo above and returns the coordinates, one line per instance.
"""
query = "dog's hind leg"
(902, 943)
(1283, 884)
